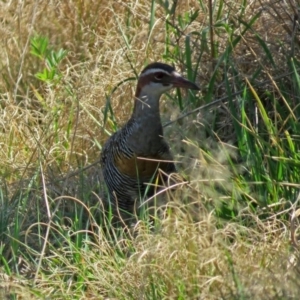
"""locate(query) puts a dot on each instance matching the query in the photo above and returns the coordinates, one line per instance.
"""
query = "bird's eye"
(159, 76)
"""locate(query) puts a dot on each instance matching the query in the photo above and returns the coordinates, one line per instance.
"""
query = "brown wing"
(144, 167)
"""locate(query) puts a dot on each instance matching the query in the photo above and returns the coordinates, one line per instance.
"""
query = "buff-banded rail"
(132, 156)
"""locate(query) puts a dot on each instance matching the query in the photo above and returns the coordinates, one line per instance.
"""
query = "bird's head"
(158, 78)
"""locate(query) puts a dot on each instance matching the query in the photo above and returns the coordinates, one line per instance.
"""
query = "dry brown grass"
(195, 259)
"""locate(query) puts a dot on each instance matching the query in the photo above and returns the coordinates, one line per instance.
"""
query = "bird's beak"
(179, 81)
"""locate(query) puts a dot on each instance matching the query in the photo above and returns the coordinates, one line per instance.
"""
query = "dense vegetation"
(68, 74)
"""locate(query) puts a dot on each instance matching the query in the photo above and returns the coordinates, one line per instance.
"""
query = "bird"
(133, 155)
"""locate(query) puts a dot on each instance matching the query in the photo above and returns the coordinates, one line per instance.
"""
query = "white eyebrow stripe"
(151, 71)
(176, 74)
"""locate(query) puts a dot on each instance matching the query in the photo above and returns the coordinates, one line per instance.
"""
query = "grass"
(68, 73)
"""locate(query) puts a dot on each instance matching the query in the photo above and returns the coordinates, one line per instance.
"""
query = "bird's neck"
(146, 130)
(146, 107)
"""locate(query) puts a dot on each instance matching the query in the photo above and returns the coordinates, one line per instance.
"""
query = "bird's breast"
(142, 167)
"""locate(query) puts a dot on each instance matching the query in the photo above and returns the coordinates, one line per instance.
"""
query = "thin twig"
(48, 225)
